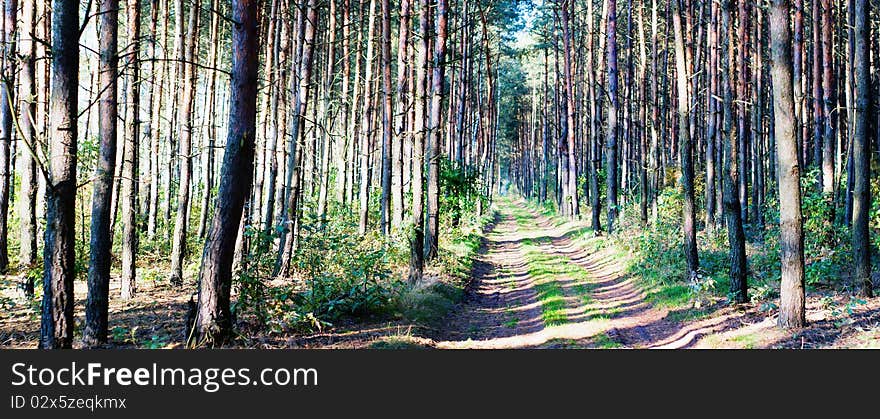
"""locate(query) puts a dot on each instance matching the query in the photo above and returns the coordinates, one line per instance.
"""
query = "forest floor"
(542, 282)
(538, 282)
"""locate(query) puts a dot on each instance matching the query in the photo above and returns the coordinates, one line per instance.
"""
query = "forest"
(441, 174)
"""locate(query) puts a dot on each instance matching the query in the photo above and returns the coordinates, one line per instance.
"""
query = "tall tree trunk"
(189, 80)
(572, 207)
(95, 331)
(130, 155)
(329, 117)
(213, 323)
(7, 101)
(56, 326)
(366, 126)
(861, 151)
(432, 227)
(711, 113)
(294, 158)
(211, 124)
(417, 255)
(387, 117)
(156, 128)
(791, 240)
(28, 112)
(800, 106)
(611, 136)
(828, 102)
(743, 96)
(400, 121)
(686, 147)
(732, 210)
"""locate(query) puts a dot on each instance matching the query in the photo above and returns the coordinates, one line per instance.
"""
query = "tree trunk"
(387, 117)
(572, 207)
(189, 80)
(95, 331)
(28, 112)
(7, 100)
(130, 155)
(294, 158)
(791, 240)
(211, 124)
(611, 136)
(417, 254)
(432, 228)
(828, 103)
(213, 324)
(400, 121)
(56, 328)
(366, 126)
(685, 147)
(732, 209)
(861, 152)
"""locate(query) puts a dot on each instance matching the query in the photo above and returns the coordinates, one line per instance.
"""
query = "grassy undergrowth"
(654, 255)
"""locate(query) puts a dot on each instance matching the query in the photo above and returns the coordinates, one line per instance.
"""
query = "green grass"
(670, 295)
(552, 303)
(748, 341)
(512, 320)
(687, 315)
(603, 341)
(584, 292)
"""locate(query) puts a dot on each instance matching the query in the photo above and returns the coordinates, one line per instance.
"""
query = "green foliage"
(461, 194)
(335, 273)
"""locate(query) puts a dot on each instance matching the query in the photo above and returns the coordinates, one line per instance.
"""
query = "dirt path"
(526, 259)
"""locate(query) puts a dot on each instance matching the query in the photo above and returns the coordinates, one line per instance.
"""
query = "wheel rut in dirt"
(537, 285)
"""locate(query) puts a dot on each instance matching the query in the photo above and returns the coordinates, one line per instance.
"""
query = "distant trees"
(693, 92)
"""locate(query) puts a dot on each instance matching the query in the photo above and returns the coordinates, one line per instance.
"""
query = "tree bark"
(294, 158)
(611, 135)
(28, 112)
(417, 255)
(95, 331)
(189, 78)
(213, 322)
(432, 228)
(861, 151)
(685, 147)
(791, 240)
(387, 117)
(572, 207)
(366, 126)
(130, 155)
(732, 209)
(56, 326)
(400, 121)
(7, 101)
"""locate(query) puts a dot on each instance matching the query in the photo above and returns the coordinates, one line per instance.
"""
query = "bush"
(335, 273)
